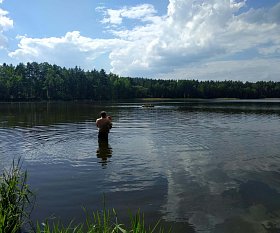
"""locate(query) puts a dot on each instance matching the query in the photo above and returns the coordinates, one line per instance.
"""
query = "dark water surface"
(200, 166)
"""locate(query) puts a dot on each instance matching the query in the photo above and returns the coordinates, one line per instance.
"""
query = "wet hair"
(103, 114)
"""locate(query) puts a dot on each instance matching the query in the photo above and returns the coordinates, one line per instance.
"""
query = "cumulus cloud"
(196, 31)
(69, 50)
(5, 24)
(190, 34)
(191, 31)
(143, 12)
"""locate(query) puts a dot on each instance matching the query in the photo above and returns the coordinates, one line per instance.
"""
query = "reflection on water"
(200, 166)
(104, 152)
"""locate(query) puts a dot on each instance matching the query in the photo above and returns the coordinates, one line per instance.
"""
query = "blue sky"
(181, 39)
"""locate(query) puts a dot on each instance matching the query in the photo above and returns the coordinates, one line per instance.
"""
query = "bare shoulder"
(98, 121)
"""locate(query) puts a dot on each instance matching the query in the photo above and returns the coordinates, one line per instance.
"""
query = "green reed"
(138, 225)
(105, 221)
(14, 199)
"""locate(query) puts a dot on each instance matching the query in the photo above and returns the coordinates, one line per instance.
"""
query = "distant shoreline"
(142, 100)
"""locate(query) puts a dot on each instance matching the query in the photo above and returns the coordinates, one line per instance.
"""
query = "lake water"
(198, 165)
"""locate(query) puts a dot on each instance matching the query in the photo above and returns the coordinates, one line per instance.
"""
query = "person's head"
(103, 114)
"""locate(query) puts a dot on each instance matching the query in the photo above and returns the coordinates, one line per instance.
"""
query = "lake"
(198, 165)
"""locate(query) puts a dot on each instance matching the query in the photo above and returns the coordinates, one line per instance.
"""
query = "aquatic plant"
(105, 221)
(15, 199)
(138, 225)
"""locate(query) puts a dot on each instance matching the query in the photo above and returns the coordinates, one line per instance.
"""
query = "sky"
(166, 39)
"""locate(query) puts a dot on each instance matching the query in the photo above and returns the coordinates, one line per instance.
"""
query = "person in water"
(104, 124)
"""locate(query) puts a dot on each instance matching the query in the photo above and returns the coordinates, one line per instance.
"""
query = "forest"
(43, 81)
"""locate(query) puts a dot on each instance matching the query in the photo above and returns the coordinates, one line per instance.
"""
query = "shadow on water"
(104, 152)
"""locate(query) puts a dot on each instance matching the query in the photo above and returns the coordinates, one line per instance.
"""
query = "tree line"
(43, 81)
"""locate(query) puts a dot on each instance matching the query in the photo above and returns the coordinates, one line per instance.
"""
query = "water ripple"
(190, 160)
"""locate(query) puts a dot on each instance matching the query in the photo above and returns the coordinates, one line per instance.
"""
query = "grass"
(104, 221)
(14, 199)
(16, 207)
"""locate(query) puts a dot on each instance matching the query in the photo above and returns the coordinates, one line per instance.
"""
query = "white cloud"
(270, 50)
(69, 50)
(192, 33)
(195, 31)
(5, 24)
(237, 5)
(143, 12)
